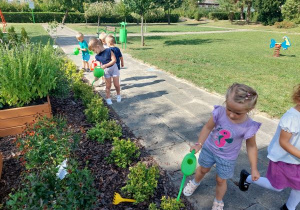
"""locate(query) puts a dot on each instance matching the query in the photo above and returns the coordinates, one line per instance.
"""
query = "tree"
(269, 11)
(67, 5)
(169, 5)
(140, 7)
(291, 10)
(99, 9)
(122, 10)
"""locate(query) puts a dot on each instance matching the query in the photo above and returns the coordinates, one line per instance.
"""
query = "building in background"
(208, 3)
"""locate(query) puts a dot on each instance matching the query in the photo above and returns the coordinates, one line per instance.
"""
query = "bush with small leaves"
(84, 92)
(142, 182)
(171, 203)
(105, 130)
(24, 37)
(96, 111)
(123, 152)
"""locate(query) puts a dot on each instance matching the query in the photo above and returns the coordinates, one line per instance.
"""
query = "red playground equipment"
(3, 21)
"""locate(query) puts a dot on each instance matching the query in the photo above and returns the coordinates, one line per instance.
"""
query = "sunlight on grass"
(35, 32)
(214, 61)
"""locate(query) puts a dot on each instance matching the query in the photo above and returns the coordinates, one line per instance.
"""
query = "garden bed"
(107, 177)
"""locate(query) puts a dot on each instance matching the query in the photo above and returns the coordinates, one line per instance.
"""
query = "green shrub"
(105, 130)
(198, 15)
(142, 182)
(170, 203)
(24, 37)
(123, 153)
(285, 24)
(27, 72)
(84, 92)
(96, 111)
(43, 190)
(12, 35)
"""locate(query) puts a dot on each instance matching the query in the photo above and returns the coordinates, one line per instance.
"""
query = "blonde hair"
(102, 36)
(242, 94)
(78, 35)
(93, 43)
(110, 39)
(296, 94)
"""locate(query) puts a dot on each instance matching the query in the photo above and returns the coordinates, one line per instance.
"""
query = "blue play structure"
(285, 44)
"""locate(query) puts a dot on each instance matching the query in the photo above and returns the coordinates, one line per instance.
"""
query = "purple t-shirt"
(225, 140)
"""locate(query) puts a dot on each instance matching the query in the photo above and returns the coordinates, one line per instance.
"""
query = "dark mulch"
(108, 178)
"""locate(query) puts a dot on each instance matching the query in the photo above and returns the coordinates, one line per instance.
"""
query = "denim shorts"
(225, 168)
(112, 71)
(85, 57)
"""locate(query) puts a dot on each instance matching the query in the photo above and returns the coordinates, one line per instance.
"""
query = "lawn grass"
(215, 61)
(150, 28)
(35, 32)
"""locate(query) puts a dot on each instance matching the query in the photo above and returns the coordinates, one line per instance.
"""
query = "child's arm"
(252, 155)
(122, 61)
(207, 128)
(112, 62)
(284, 141)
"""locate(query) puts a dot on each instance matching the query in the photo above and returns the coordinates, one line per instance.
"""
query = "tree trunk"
(65, 17)
(142, 30)
(98, 23)
(249, 11)
(169, 21)
(242, 12)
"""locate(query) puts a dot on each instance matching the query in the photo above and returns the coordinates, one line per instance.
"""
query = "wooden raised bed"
(1, 164)
(13, 121)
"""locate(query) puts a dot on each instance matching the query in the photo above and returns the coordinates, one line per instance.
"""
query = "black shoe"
(243, 185)
(284, 207)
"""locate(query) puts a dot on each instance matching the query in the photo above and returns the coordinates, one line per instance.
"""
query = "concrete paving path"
(168, 113)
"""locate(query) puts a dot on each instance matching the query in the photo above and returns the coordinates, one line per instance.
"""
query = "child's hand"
(196, 148)
(255, 174)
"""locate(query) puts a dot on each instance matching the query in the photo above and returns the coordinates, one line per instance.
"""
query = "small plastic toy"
(75, 51)
(118, 199)
(91, 52)
(188, 167)
(285, 45)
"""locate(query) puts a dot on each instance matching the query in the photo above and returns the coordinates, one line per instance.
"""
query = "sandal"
(243, 185)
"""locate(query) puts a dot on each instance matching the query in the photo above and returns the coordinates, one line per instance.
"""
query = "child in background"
(83, 46)
(102, 38)
(106, 59)
(221, 138)
(284, 154)
(110, 41)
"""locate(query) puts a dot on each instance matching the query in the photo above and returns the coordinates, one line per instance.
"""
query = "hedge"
(224, 15)
(44, 17)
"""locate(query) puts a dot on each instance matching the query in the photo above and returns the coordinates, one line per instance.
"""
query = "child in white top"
(220, 140)
(284, 155)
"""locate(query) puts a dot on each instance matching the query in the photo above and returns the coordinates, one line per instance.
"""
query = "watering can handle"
(193, 151)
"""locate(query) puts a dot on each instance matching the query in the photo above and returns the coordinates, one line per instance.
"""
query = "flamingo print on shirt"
(224, 136)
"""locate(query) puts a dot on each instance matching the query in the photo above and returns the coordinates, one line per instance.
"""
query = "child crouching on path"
(106, 60)
(221, 138)
(284, 154)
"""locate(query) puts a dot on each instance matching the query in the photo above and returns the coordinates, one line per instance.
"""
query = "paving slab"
(168, 114)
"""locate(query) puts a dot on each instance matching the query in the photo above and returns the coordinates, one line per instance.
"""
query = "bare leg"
(108, 86)
(200, 173)
(221, 188)
(117, 84)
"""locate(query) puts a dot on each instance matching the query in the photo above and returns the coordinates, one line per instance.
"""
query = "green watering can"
(98, 72)
(75, 51)
(188, 167)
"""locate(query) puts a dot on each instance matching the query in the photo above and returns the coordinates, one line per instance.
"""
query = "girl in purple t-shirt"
(220, 140)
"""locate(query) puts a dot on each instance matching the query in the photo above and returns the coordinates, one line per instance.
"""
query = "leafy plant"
(141, 182)
(43, 190)
(24, 37)
(46, 144)
(27, 72)
(123, 152)
(84, 92)
(12, 35)
(105, 130)
(168, 204)
(96, 111)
